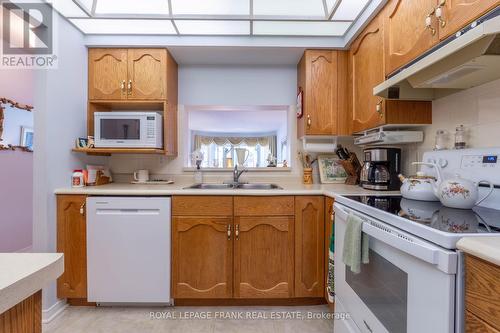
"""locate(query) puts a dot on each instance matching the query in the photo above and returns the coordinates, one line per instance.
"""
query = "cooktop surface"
(435, 215)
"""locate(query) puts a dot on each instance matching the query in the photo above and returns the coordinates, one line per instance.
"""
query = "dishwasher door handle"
(127, 211)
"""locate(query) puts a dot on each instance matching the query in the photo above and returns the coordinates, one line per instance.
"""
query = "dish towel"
(356, 244)
(331, 266)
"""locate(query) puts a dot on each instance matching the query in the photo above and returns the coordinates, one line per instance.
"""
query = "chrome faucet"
(237, 174)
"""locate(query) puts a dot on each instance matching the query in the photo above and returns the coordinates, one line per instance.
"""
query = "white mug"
(141, 176)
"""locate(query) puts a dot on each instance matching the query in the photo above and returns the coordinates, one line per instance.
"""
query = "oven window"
(383, 289)
(120, 129)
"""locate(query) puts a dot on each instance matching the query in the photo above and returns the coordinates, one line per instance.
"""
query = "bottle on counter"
(198, 174)
(460, 137)
(77, 179)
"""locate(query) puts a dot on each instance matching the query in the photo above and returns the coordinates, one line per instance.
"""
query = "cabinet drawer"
(482, 290)
(263, 206)
(202, 205)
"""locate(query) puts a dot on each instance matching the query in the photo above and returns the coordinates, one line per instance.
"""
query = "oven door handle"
(445, 260)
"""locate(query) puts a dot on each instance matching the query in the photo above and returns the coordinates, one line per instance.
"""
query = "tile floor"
(139, 320)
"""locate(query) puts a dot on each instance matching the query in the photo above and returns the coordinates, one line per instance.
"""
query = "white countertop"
(23, 274)
(291, 188)
(486, 248)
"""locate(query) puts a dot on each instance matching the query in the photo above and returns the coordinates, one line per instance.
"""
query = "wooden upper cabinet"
(458, 13)
(406, 34)
(309, 246)
(367, 71)
(322, 77)
(107, 74)
(133, 74)
(147, 69)
(263, 257)
(72, 241)
(202, 257)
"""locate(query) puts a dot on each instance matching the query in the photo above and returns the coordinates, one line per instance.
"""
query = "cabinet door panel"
(202, 257)
(309, 246)
(406, 36)
(147, 70)
(458, 13)
(263, 257)
(72, 241)
(320, 107)
(107, 73)
(367, 70)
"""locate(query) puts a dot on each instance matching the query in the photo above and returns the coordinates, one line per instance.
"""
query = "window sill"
(264, 169)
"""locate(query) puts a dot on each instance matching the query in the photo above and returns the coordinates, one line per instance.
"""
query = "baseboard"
(26, 249)
(55, 310)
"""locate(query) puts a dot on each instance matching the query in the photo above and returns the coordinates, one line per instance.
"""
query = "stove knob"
(442, 163)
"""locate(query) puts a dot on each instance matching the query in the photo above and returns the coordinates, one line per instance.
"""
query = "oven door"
(407, 286)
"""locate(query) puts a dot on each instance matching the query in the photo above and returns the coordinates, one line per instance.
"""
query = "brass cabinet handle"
(237, 232)
(308, 121)
(122, 86)
(82, 209)
(428, 23)
(129, 87)
(378, 108)
(228, 232)
(439, 13)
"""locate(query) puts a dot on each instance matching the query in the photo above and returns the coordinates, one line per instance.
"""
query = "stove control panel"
(479, 161)
(475, 163)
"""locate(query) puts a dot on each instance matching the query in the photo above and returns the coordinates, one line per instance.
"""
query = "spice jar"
(460, 137)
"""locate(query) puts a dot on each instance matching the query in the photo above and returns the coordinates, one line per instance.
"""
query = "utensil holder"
(307, 176)
(353, 169)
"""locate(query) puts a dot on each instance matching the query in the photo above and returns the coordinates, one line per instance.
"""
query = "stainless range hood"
(468, 59)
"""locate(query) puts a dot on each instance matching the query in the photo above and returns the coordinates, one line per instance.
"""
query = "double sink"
(235, 186)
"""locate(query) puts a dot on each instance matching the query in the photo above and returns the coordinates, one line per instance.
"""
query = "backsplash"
(478, 109)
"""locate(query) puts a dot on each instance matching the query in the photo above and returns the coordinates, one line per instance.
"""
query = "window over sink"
(250, 137)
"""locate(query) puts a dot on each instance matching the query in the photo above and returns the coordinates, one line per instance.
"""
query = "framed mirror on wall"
(16, 125)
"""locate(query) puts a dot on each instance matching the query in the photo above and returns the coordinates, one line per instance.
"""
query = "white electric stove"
(414, 281)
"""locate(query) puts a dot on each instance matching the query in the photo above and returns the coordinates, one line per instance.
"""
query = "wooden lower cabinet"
(482, 295)
(309, 246)
(263, 257)
(24, 317)
(202, 253)
(72, 241)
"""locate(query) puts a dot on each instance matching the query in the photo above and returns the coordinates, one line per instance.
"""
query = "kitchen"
(245, 177)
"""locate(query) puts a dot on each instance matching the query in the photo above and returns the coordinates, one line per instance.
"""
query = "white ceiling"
(332, 18)
(247, 56)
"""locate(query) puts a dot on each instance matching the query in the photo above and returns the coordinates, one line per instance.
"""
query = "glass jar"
(460, 137)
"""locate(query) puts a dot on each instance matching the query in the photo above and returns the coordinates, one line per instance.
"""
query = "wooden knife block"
(353, 169)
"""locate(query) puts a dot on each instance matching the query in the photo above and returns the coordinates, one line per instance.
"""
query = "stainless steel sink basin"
(259, 186)
(240, 186)
(211, 186)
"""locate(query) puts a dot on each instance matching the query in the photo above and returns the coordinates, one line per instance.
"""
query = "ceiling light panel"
(350, 9)
(211, 7)
(131, 7)
(288, 8)
(291, 28)
(67, 8)
(124, 26)
(215, 27)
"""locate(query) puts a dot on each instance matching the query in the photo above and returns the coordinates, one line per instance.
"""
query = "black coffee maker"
(381, 169)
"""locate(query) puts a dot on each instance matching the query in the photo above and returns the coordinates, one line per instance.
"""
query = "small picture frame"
(331, 170)
(82, 143)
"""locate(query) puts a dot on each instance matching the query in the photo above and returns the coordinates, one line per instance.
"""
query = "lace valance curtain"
(235, 141)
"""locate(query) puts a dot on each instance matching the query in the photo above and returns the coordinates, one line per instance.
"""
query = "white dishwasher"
(128, 250)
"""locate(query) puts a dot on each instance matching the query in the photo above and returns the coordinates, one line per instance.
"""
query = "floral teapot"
(458, 192)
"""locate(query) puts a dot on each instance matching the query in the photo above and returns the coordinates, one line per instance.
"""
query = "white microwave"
(128, 130)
